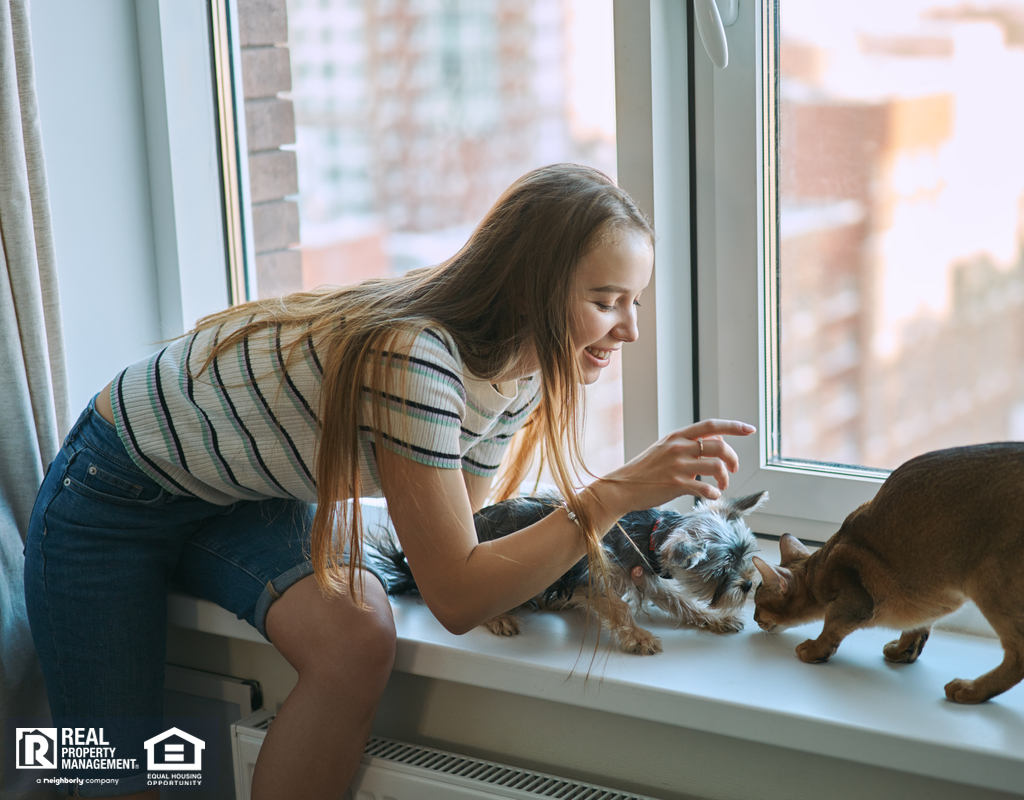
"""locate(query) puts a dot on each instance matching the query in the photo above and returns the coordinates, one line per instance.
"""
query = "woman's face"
(607, 289)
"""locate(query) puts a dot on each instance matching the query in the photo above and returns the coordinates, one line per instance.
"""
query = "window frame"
(702, 350)
(183, 148)
(226, 60)
(737, 283)
(653, 135)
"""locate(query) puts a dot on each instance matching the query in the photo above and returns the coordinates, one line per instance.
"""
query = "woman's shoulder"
(432, 343)
(431, 356)
(435, 337)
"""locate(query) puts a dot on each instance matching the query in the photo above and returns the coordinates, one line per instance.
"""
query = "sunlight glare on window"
(900, 228)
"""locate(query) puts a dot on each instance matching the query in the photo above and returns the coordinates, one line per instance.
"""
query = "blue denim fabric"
(105, 543)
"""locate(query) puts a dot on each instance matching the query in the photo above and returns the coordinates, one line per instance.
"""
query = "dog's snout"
(746, 586)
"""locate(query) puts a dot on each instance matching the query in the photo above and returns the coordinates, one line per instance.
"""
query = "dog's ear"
(791, 549)
(773, 577)
(735, 508)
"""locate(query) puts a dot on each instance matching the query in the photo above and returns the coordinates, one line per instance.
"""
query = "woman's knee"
(333, 638)
(372, 637)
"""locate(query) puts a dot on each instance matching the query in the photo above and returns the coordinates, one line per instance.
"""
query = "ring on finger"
(700, 444)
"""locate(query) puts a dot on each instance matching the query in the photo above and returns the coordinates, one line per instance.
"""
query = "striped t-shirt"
(247, 427)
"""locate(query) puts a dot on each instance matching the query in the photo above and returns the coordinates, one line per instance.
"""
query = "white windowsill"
(748, 685)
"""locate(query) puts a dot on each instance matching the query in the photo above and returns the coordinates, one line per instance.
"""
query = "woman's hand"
(669, 468)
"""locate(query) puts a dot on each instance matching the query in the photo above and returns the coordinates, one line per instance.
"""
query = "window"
(860, 242)
(433, 110)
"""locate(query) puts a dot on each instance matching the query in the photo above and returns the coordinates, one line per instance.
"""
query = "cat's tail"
(385, 556)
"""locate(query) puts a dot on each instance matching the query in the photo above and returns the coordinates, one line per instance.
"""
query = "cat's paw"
(504, 625)
(640, 642)
(904, 650)
(814, 652)
(725, 623)
(961, 690)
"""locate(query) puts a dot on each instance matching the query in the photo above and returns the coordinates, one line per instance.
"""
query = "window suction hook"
(713, 16)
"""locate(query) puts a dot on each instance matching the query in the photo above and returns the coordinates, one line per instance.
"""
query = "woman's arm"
(465, 582)
(478, 489)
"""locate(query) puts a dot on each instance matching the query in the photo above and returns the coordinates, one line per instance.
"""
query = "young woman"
(200, 467)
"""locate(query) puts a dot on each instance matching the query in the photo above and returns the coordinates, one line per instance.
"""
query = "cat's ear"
(791, 549)
(738, 507)
(771, 576)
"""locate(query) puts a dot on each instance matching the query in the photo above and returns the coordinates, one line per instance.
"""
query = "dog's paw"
(641, 642)
(504, 625)
(725, 623)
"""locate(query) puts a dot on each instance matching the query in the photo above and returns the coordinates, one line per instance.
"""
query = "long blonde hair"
(506, 293)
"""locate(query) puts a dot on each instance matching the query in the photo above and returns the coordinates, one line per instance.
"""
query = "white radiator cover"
(399, 771)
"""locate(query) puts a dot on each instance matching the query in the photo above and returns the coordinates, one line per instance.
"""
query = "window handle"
(713, 16)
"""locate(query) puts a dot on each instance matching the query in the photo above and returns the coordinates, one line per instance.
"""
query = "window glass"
(412, 116)
(899, 197)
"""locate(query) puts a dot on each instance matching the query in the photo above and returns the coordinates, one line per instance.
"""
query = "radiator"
(399, 771)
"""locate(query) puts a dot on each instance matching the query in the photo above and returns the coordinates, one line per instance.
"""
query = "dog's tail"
(386, 557)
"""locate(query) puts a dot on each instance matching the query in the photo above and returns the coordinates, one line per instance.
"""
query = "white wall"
(90, 100)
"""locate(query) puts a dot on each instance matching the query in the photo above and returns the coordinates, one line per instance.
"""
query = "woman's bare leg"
(343, 656)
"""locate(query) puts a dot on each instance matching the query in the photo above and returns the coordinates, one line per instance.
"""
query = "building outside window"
(901, 228)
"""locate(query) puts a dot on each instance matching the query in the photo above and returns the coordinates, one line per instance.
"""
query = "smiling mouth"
(600, 355)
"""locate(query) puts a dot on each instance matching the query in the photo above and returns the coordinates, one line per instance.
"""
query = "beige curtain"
(33, 378)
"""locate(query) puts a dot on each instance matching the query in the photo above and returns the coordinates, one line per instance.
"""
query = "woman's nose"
(627, 330)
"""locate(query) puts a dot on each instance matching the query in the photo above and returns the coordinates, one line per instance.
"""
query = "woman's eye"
(636, 303)
(604, 306)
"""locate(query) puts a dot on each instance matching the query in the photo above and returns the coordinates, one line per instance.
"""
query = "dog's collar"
(653, 555)
(654, 530)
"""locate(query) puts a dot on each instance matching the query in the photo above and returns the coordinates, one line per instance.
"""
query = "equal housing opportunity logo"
(174, 758)
(174, 750)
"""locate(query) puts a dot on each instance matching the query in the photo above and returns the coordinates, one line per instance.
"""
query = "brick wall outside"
(270, 123)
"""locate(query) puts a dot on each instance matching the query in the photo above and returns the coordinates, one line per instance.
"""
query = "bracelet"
(572, 515)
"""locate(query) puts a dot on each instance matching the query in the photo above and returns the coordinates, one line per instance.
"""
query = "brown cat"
(945, 527)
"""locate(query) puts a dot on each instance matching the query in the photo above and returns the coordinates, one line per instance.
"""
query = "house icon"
(174, 750)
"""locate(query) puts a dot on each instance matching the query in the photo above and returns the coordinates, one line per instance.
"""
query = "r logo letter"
(36, 748)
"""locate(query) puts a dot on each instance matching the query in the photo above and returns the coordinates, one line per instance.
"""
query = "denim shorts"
(105, 543)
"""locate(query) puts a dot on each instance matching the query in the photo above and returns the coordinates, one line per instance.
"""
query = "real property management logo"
(67, 748)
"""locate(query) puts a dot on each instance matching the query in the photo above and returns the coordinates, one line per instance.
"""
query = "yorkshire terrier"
(695, 567)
